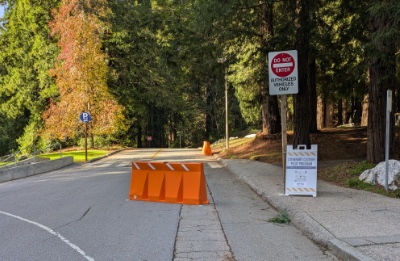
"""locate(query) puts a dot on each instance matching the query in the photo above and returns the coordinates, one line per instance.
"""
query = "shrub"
(358, 184)
(361, 167)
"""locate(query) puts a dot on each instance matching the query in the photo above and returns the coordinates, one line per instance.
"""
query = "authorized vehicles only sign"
(283, 72)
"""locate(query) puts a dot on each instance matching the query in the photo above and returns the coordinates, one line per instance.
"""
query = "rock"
(377, 174)
(250, 136)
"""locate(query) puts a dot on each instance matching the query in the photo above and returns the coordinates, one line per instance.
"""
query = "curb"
(346, 252)
(105, 156)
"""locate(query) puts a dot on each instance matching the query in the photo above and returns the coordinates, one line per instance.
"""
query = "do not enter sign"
(282, 64)
(283, 72)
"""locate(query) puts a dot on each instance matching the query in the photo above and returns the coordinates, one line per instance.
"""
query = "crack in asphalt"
(77, 220)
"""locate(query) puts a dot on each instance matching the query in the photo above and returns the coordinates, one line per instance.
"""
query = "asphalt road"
(82, 212)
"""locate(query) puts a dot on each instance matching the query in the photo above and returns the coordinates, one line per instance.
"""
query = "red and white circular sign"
(282, 65)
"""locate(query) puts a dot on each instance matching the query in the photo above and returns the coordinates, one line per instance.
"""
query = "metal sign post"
(284, 137)
(85, 141)
(283, 74)
(85, 118)
(388, 111)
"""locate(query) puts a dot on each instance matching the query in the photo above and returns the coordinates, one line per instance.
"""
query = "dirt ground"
(341, 155)
(334, 145)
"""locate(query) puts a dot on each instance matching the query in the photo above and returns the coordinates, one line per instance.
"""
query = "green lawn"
(79, 155)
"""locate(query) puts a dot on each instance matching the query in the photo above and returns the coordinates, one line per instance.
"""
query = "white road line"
(124, 164)
(51, 231)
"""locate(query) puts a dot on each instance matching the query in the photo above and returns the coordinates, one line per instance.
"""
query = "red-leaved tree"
(81, 71)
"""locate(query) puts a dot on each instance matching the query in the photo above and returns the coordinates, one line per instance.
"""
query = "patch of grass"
(264, 157)
(281, 218)
(361, 167)
(378, 189)
(239, 142)
(340, 174)
(346, 175)
(359, 184)
(231, 156)
(256, 157)
(396, 193)
(79, 155)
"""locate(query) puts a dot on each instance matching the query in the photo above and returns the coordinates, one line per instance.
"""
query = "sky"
(1, 10)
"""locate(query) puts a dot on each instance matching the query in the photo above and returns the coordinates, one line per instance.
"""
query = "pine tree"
(25, 85)
(384, 22)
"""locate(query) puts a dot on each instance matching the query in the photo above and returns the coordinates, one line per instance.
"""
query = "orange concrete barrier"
(207, 149)
(182, 183)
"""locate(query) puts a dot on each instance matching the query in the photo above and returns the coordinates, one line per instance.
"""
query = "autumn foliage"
(81, 71)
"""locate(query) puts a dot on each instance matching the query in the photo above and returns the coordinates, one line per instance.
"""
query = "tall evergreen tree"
(302, 104)
(384, 21)
(144, 74)
(25, 84)
(250, 38)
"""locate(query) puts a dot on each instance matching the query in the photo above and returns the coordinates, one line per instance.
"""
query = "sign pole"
(388, 110)
(85, 118)
(226, 114)
(283, 74)
(284, 136)
(85, 141)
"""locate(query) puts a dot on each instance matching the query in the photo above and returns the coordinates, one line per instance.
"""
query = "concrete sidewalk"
(353, 224)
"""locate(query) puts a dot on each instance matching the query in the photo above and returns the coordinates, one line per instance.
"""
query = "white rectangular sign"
(283, 73)
(301, 170)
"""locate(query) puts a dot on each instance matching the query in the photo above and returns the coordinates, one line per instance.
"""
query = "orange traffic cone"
(207, 149)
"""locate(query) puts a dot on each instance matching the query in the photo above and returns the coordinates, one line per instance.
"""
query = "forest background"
(160, 69)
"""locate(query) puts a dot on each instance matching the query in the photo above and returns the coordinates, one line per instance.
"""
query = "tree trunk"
(208, 110)
(172, 131)
(271, 119)
(313, 95)
(344, 110)
(340, 112)
(320, 113)
(328, 112)
(364, 117)
(139, 136)
(382, 77)
(302, 102)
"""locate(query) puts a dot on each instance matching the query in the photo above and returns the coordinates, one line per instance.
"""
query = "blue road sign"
(85, 117)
